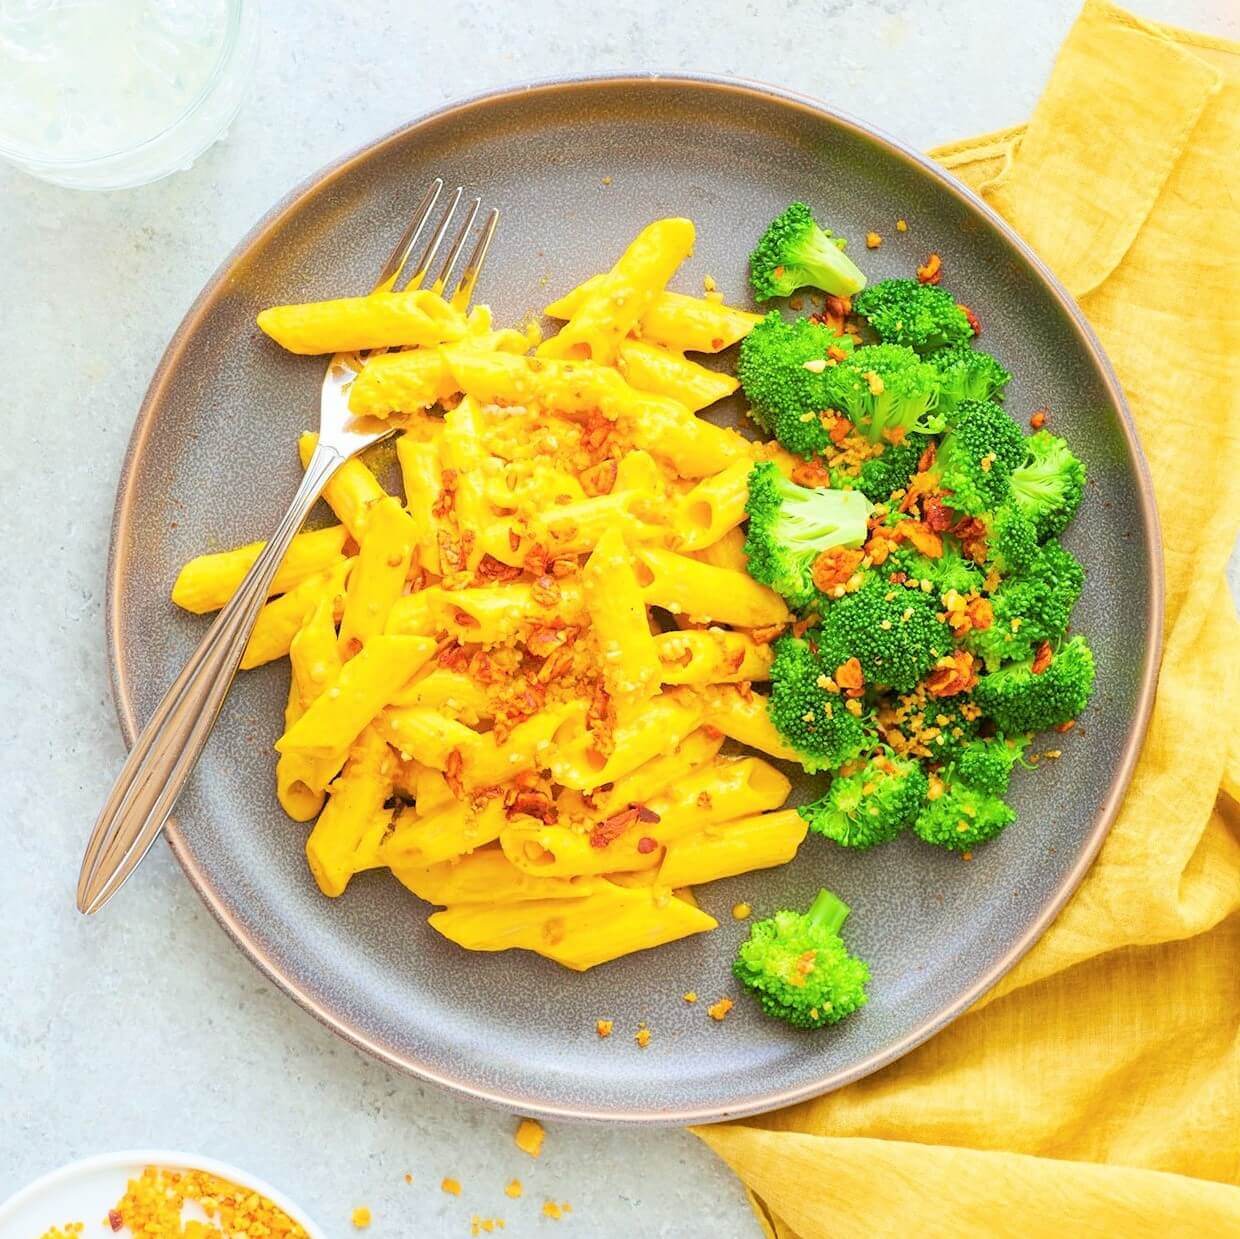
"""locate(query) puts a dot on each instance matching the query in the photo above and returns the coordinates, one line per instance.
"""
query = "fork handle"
(168, 749)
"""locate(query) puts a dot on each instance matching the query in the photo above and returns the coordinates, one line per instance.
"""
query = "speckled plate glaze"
(578, 167)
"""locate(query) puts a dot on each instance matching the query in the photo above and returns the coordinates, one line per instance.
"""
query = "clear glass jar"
(107, 94)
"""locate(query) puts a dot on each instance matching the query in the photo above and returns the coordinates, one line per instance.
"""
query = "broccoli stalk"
(1021, 700)
(798, 967)
(790, 526)
(1049, 483)
(785, 397)
(871, 805)
(796, 252)
(812, 720)
(920, 315)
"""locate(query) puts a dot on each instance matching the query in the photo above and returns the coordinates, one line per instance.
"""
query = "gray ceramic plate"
(577, 168)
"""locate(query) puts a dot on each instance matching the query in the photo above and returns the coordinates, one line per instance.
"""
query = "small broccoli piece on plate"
(922, 316)
(887, 391)
(1022, 700)
(987, 765)
(959, 816)
(966, 373)
(870, 805)
(812, 720)
(798, 967)
(892, 631)
(1047, 486)
(783, 370)
(790, 526)
(976, 457)
(796, 252)
(1033, 606)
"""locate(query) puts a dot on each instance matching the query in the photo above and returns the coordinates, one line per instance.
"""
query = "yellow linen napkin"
(1096, 1089)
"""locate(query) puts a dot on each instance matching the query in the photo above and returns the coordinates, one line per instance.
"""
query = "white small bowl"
(84, 1192)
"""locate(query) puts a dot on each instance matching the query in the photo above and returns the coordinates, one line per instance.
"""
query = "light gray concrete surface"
(144, 1027)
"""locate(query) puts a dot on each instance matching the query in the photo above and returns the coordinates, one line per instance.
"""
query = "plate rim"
(1103, 817)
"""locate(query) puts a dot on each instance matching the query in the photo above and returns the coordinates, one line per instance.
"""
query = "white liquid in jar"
(84, 79)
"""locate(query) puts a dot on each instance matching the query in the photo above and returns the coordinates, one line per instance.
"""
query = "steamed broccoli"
(1047, 486)
(811, 720)
(977, 455)
(789, 526)
(920, 315)
(961, 816)
(893, 632)
(870, 805)
(954, 722)
(771, 368)
(1031, 607)
(888, 471)
(951, 570)
(966, 373)
(798, 967)
(987, 764)
(1021, 700)
(1011, 540)
(886, 390)
(794, 252)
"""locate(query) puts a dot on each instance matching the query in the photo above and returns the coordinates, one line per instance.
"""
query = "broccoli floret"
(1030, 607)
(1020, 700)
(893, 632)
(789, 526)
(813, 721)
(885, 389)
(1011, 540)
(1049, 483)
(795, 252)
(976, 457)
(987, 764)
(966, 373)
(920, 315)
(871, 805)
(950, 571)
(779, 388)
(890, 470)
(961, 816)
(798, 967)
(955, 729)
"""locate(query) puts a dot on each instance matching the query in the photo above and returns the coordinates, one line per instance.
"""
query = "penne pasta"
(349, 492)
(613, 307)
(378, 578)
(347, 324)
(674, 321)
(714, 507)
(744, 717)
(711, 656)
(419, 841)
(617, 614)
(486, 876)
(209, 581)
(728, 848)
(578, 933)
(356, 696)
(653, 368)
(703, 592)
(279, 620)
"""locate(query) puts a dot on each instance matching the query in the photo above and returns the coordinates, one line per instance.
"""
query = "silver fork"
(168, 749)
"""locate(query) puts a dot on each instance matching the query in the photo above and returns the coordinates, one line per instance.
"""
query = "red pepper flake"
(611, 828)
(646, 845)
(514, 540)
(545, 592)
(1038, 419)
(1068, 726)
(938, 516)
(716, 343)
(767, 633)
(533, 804)
(646, 815)
(804, 624)
(712, 732)
(811, 473)
(926, 461)
(491, 569)
(1042, 659)
(452, 769)
(115, 1221)
(930, 271)
(835, 566)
